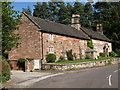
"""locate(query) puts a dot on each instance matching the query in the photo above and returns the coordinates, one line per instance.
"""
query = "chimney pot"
(99, 28)
(76, 21)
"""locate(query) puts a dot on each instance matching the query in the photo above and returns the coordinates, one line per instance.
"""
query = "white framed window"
(50, 37)
(51, 49)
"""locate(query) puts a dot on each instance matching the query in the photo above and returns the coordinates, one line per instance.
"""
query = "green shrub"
(5, 71)
(2, 57)
(90, 44)
(69, 55)
(87, 57)
(102, 54)
(112, 54)
(99, 57)
(29, 59)
(61, 59)
(21, 60)
(118, 52)
(50, 58)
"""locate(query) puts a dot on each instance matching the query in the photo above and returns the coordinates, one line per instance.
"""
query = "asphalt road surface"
(101, 77)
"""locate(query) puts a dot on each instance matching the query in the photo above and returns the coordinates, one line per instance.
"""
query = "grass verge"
(85, 60)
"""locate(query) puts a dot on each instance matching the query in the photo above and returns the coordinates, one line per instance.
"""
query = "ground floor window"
(51, 49)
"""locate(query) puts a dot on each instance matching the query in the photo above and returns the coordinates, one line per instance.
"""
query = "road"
(100, 77)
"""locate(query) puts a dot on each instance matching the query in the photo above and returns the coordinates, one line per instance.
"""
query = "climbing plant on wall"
(90, 44)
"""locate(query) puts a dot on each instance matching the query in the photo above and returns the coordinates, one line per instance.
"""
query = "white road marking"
(30, 82)
(117, 70)
(110, 80)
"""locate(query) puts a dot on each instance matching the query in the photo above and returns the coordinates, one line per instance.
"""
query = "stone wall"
(61, 44)
(80, 65)
(98, 46)
(29, 46)
(30, 43)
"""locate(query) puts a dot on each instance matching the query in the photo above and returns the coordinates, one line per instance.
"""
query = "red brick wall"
(29, 46)
(13, 64)
(62, 42)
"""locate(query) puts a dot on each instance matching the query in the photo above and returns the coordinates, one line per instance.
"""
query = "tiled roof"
(57, 28)
(95, 35)
(61, 29)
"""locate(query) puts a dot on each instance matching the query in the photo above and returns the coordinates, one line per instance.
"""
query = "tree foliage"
(5, 71)
(27, 10)
(106, 13)
(10, 20)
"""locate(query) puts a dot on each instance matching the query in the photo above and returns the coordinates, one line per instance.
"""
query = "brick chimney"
(99, 28)
(75, 21)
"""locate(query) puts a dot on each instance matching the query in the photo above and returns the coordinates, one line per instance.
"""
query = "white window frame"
(51, 49)
(50, 37)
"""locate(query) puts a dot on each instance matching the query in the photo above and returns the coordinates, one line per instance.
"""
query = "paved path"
(103, 77)
(20, 79)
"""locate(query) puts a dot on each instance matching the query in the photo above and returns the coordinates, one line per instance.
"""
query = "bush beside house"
(112, 54)
(118, 52)
(5, 71)
(69, 55)
(61, 59)
(50, 58)
(102, 54)
(87, 57)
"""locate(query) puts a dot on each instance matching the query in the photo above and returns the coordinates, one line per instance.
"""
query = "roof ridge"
(53, 22)
(28, 16)
(95, 35)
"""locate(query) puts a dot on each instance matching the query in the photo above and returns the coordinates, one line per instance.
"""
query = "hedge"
(5, 71)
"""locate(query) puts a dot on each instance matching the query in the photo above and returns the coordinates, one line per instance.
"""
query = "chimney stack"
(75, 21)
(100, 28)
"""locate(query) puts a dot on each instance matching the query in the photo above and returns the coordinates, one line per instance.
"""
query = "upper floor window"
(50, 37)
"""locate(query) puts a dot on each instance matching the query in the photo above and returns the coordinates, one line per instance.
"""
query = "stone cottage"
(40, 37)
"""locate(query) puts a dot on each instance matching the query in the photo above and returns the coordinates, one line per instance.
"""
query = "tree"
(88, 12)
(78, 8)
(27, 10)
(108, 14)
(10, 21)
(41, 10)
(0, 29)
(53, 9)
(64, 13)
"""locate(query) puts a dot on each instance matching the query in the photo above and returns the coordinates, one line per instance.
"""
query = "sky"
(19, 5)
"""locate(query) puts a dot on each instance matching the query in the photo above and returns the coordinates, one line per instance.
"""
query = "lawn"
(84, 60)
